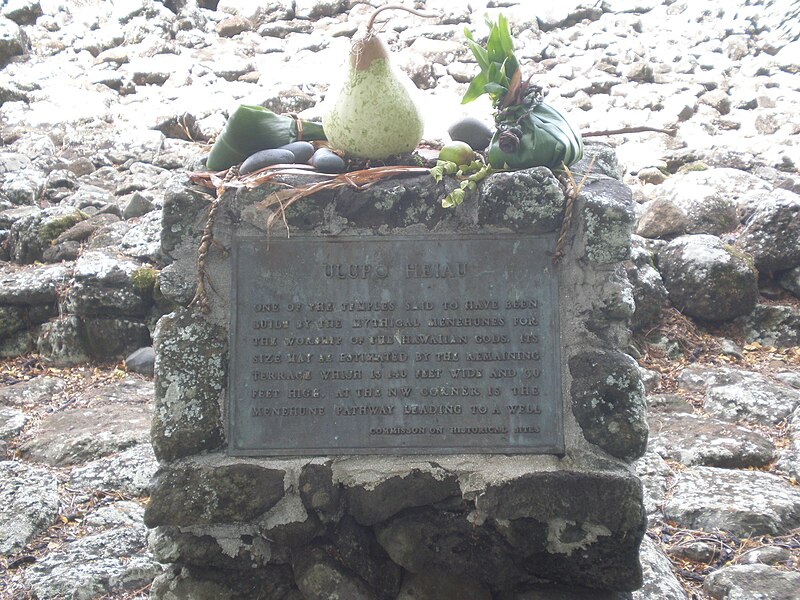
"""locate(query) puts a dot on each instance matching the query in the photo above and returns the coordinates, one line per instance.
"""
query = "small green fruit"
(457, 152)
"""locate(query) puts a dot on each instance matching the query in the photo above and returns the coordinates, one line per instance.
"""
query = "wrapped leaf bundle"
(253, 128)
(530, 133)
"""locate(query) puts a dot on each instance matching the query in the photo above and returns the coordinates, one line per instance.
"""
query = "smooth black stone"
(473, 131)
(265, 158)
(326, 161)
(303, 151)
(142, 361)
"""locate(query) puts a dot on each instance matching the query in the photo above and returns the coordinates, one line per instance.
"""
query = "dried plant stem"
(671, 131)
(379, 10)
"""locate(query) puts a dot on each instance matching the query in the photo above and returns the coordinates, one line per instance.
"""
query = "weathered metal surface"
(396, 345)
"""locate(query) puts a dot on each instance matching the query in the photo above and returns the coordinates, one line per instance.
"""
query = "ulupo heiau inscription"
(409, 345)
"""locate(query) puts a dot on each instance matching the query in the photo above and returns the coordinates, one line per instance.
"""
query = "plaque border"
(555, 449)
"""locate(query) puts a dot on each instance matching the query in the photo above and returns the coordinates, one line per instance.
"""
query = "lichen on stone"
(564, 537)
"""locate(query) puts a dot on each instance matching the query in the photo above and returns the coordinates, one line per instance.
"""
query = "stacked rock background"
(104, 104)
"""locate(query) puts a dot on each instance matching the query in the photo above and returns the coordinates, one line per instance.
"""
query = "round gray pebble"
(326, 161)
(302, 151)
(473, 131)
(265, 158)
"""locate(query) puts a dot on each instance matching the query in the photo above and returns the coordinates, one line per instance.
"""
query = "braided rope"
(200, 299)
(571, 192)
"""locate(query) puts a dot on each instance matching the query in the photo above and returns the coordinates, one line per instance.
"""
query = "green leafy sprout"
(500, 71)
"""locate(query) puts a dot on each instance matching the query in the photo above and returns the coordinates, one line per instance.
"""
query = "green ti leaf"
(497, 62)
(475, 89)
(480, 53)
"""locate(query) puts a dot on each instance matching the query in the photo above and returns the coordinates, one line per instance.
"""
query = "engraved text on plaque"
(394, 346)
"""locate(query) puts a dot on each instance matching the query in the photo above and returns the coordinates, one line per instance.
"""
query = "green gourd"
(373, 115)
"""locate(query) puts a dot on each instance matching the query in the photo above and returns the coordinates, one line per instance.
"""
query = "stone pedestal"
(402, 527)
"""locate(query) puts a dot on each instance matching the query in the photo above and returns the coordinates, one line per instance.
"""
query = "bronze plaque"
(370, 345)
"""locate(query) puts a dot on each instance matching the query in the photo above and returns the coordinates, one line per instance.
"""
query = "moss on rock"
(144, 279)
(50, 229)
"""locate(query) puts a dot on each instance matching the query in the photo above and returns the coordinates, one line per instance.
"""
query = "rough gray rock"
(142, 240)
(257, 12)
(514, 518)
(177, 282)
(108, 338)
(182, 220)
(204, 583)
(19, 344)
(772, 235)
(289, 524)
(415, 542)
(11, 422)
(13, 41)
(695, 440)
(733, 185)
(609, 220)
(142, 361)
(790, 281)
(233, 25)
(318, 492)
(789, 459)
(559, 16)
(376, 503)
(107, 562)
(63, 342)
(316, 9)
(78, 435)
(105, 285)
(12, 320)
(608, 402)
(356, 547)
(741, 395)
(32, 392)
(749, 203)
(649, 292)
(136, 205)
(773, 325)
(39, 284)
(190, 495)
(767, 555)
(660, 583)
(23, 187)
(436, 586)
(190, 366)
(31, 234)
(507, 198)
(752, 582)
(23, 12)
(706, 210)
(564, 592)
(128, 471)
(706, 279)
(319, 575)
(662, 219)
(743, 502)
(654, 473)
(228, 548)
(29, 503)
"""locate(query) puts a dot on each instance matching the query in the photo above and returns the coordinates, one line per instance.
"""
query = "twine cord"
(200, 299)
(571, 192)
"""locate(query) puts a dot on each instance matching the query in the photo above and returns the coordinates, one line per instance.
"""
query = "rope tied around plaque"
(572, 190)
